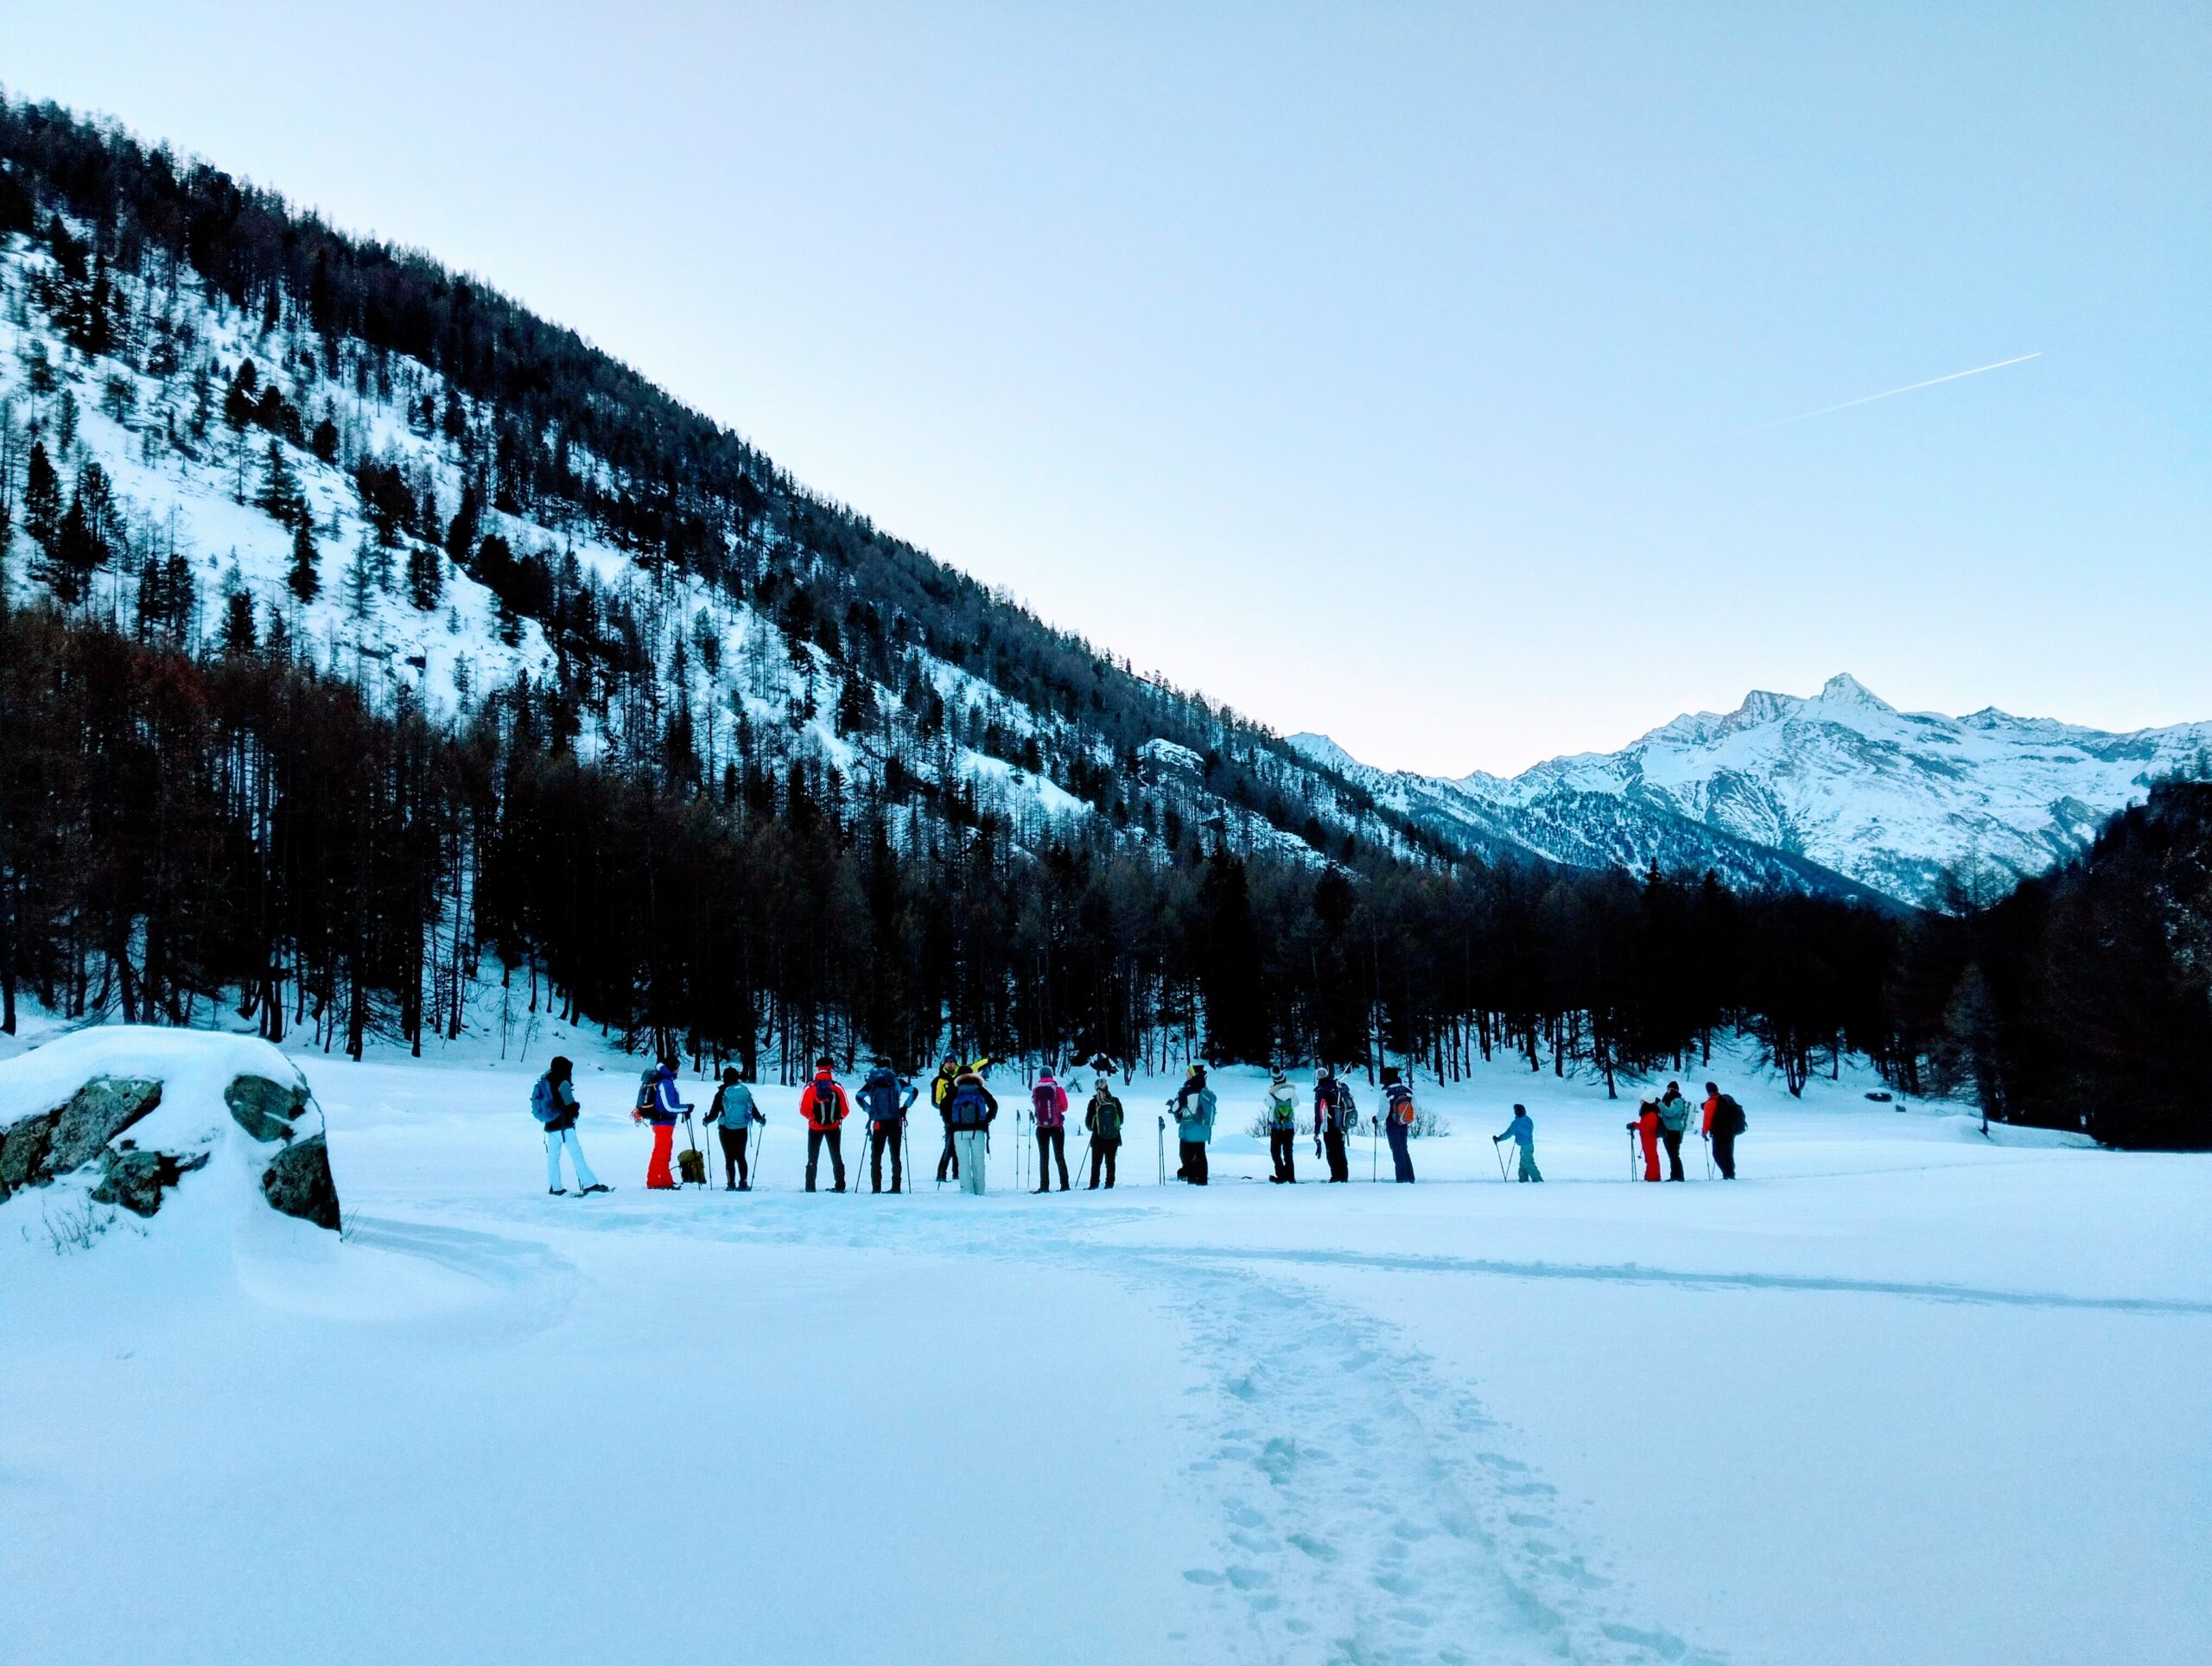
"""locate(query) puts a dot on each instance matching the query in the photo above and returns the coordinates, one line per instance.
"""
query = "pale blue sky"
(1390, 371)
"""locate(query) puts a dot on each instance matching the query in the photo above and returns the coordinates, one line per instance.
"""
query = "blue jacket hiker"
(1522, 1132)
(733, 1107)
(887, 1097)
(1194, 1106)
(553, 1102)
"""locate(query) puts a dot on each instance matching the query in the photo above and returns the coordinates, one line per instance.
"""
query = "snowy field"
(1898, 1394)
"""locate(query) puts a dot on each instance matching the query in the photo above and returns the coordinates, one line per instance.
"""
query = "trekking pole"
(1373, 1127)
(1707, 1138)
(1163, 1151)
(1631, 1154)
(1500, 1151)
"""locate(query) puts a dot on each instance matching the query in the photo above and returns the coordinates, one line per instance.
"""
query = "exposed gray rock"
(35, 1150)
(135, 1179)
(22, 1151)
(266, 1109)
(298, 1182)
(96, 1113)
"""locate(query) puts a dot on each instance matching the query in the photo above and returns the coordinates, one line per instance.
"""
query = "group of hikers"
(1665, 1120)
(966, 1109)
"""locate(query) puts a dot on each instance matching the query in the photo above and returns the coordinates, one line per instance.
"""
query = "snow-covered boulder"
(150, 1106)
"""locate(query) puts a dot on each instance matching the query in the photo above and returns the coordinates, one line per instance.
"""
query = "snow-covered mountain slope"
(238, 470)
(1840, 780)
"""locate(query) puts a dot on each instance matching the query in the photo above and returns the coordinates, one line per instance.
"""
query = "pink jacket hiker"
(1050, 1100)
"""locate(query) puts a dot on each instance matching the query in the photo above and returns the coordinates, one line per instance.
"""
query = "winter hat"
(1520, 1110)
(1045, 1074)
(1278, 1073)
(1324, 1073)
(1390, 1074)
(824, 1064)
(1713, 1087)
(730, 1078)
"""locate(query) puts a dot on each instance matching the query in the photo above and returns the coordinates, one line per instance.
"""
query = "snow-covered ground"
(1900, 1394)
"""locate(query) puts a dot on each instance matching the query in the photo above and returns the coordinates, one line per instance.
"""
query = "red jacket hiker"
(824, 1104)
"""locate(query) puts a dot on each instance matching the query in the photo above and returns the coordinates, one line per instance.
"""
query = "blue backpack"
(969, 1107)
(879, 1094)
(544, 1104)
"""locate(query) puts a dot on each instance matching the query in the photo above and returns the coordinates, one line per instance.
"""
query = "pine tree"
(238, 635)
(280, 489)
(42, 496)
(237, 399)
(304, 579)
(426, 578)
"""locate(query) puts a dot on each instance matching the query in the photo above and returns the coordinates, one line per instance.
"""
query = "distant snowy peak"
(1840, 780)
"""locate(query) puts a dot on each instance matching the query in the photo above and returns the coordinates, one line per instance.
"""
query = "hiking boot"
(557, 1191)
(594, 1186)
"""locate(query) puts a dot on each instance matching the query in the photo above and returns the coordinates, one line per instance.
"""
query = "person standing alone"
(553, 1102)
(1724, 1121)
(1522, 1132)
(1048, 1100)
(733, 1107)
(825, 1107)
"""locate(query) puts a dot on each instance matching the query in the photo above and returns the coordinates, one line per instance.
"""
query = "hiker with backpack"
(1048, 1102)
(886, 1098)
(1193, 1106)
(1674, 1122)
(1334, 1116)
(1645, 1127)
(1103, 1119)
(734, 1109)
(1521, 1130)
(825, 1108)
(970, 1111)
(1398, 1115)
(1724, 1121)
(1281, 1114)
(660, 1108)
(553, 1102)
(941, 1091)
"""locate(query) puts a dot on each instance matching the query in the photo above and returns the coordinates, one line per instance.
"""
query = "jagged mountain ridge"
(1839, 779)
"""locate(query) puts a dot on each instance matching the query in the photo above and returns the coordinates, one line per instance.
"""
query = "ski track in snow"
(1441, 1547)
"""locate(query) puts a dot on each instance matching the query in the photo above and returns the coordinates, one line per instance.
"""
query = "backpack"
(1344, 1112)
(544, 1104)
(881, 1096)
(1282, 1112)
(1402, 1103)
(967, 1107)
(1729, 1114)
(1106, 1111)
(821, 1108)
(648, 1091)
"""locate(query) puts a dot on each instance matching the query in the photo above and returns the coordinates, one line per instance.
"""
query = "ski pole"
(1500, 1151)
(1707, 1138)
(1163, 1151)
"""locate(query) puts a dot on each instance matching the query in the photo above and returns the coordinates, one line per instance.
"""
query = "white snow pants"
(969, 1143)
(554, 1142)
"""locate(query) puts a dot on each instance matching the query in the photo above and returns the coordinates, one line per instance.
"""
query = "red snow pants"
(1646, 1128)
(656, 1173)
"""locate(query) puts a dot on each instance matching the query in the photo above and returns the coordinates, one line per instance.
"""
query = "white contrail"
(1915, 387)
